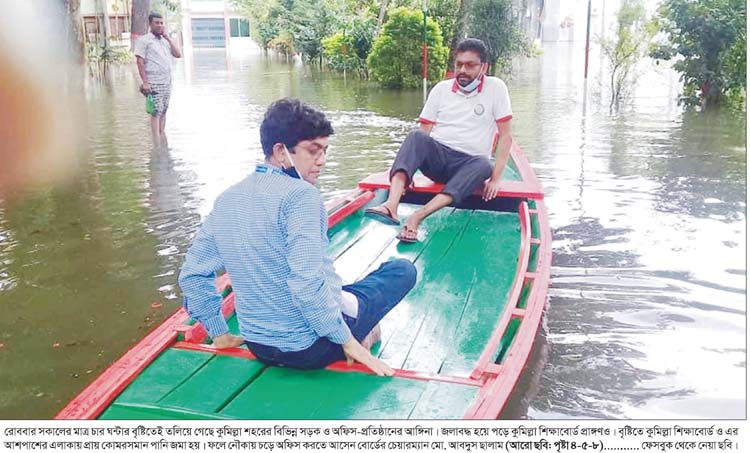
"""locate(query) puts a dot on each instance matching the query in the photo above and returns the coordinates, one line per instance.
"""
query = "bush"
(350, 52)
(396, 57)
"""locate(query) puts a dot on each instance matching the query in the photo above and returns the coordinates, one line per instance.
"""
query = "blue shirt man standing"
(269, 232)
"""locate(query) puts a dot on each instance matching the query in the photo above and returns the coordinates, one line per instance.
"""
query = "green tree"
(396, 57)
(349, 50)
(492, 22)
(628, 46)
(709, 36)
(446, 14)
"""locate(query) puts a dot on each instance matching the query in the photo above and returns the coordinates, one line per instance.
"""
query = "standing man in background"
(153, 53)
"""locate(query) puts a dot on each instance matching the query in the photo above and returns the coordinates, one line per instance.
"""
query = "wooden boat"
(459, 341)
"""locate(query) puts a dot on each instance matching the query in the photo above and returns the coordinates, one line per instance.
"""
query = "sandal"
(388, 219)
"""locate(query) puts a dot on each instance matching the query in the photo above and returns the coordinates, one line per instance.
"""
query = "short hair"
(473, 45)
(153, 16)
(290, 121)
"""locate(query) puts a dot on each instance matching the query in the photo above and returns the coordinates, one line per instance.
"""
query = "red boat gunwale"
(496, 381)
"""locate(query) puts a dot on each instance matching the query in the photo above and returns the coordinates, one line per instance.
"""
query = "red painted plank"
(529, 187)
(336, 366)
(350, 208)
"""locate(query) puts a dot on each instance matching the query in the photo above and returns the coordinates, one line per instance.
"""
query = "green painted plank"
(281, 393)
(442, 400)
(216, 383)
(146, 412)
(499, 235)
(401, 327)
(172, 367)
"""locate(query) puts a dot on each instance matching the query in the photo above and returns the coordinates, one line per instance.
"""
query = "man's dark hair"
(153, 16)
(473, 45)
(289, 121)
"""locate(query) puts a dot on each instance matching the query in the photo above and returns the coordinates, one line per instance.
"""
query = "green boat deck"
(466, 262)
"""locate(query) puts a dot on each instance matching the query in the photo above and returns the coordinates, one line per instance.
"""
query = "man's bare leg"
(411, 227)
(162, 126)
(398, 184)
(155, 133)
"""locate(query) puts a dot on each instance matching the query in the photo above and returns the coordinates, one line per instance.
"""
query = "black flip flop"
(382, 217)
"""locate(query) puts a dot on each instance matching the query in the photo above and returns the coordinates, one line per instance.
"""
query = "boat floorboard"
(466, 262)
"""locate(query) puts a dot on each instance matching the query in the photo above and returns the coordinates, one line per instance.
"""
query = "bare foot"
(373, 337)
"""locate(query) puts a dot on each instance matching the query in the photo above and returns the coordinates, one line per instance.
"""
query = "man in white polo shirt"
(154, 52)
(454, 141)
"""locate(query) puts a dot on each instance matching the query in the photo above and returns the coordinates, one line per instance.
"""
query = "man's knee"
(417, 140)
(482, 167)
(405, 269)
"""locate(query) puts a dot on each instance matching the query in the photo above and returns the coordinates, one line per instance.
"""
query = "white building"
(212, 23)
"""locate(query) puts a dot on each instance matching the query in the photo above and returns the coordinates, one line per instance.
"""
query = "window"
(239, 28)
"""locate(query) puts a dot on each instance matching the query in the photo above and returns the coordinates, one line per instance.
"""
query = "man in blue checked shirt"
(269, 232)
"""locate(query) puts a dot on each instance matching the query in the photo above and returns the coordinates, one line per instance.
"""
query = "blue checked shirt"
(269, 232)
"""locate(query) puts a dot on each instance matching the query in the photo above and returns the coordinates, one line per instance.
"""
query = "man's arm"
(502, 152)
(172, 46)
(141, 63)
(197, 276)
(426, 127)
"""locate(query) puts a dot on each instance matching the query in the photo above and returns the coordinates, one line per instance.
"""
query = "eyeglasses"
(471, 66)
(315, 152)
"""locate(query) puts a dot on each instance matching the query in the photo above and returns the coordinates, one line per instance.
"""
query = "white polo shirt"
(467, 122)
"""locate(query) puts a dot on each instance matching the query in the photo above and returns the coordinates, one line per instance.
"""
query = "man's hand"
(491, 188)
(145, 88)
(228, 341)
(356, 352)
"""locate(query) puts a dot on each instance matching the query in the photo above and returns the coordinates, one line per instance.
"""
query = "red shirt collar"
(457, 87)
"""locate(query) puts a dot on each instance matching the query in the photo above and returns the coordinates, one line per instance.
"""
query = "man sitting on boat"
(269, 232)
(457, 130)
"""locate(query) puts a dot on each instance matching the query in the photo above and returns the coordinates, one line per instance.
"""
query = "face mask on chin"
(291, 171)
(471, 86)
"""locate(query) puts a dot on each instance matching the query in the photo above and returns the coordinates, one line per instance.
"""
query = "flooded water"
(646, 317)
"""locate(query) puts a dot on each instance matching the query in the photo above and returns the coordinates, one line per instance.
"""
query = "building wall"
(200, 15)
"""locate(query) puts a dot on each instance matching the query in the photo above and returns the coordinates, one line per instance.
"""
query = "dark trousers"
(377, 293)
(461, 173)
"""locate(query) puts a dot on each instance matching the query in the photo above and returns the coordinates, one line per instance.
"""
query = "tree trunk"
(381, 15)
(75, 31)
(105, 31)
(710, 95)
(460, 31)
(139, 19)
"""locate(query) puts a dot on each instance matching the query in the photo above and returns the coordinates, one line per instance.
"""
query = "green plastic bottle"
(150, 105)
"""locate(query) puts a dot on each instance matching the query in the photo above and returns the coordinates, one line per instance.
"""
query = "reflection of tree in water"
(699, 162)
